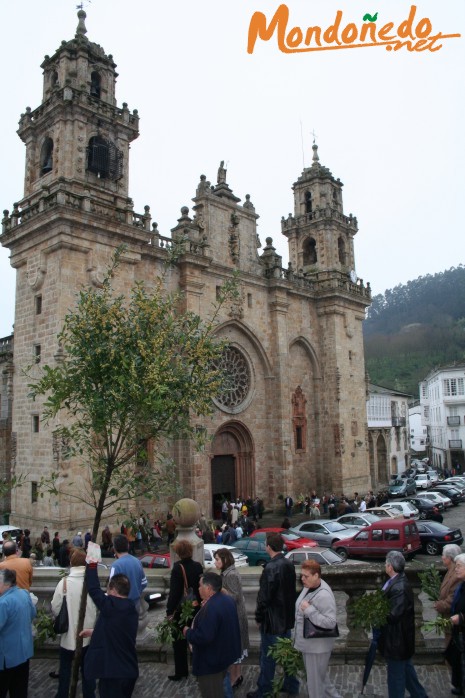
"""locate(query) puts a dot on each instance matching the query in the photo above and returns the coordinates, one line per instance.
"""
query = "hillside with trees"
(414, 327)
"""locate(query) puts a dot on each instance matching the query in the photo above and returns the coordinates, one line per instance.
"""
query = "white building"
(388, 433)
(418, 431)
(442, 400)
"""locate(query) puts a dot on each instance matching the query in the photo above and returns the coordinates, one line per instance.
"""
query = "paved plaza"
(153, 681)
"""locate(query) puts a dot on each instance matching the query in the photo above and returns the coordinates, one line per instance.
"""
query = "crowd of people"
(218, 633)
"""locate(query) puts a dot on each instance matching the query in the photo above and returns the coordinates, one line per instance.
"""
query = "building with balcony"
(388, 433)
(442, 400)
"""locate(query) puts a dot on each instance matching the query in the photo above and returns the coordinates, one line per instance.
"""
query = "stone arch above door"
(232, 462)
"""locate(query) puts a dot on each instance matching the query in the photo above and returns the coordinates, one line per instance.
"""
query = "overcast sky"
(389, 124)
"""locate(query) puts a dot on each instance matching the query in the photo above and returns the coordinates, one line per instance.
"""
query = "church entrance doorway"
(232, 465)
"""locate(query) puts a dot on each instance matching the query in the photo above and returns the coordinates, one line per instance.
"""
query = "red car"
(156, 560)
(290, 539)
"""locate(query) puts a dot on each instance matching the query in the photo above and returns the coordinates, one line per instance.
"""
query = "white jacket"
(74, 582)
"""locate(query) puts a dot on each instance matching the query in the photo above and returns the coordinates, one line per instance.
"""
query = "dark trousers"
(116, 688)
(66, 663)
(15, 681)
(181, 666)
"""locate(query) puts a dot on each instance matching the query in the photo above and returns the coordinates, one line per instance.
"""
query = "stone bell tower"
(74, 213)
(78, 134)
(320, 235)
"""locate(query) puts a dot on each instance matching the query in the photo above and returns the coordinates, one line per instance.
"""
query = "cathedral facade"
(295, 418)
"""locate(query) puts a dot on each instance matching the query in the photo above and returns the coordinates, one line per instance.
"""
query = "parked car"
(254, 550)
(379, 538)
(434, 536)
(455, 495)
(14, 532)
(291, 540)
(427, 508)
(401, 487)
(358, 520)
(438, 499)
(383, 513)
(156, 560)
(434, 476)
(455, 478)
(325, 556)
(209, 550)
(407, 509)
(423, 481)
(325, 532)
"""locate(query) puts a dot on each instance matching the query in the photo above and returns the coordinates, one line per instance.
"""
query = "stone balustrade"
(349, 583)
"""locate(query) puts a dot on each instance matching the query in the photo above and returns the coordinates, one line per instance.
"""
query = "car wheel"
(423, 515)
(342, 552)
(432, 548)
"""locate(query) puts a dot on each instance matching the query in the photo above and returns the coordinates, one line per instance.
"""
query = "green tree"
(132, 370)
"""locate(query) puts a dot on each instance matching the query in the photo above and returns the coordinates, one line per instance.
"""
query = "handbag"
(188, 591)
(61, 623)
(315, 631)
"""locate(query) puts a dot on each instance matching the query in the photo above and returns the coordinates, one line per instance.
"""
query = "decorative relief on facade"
(234, 240)
(299, 419)
(236, 379)
(339, 446)
(236, 310)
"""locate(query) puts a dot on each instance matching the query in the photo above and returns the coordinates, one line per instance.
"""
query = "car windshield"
(331, 557)
(333, 527)
(396, 483)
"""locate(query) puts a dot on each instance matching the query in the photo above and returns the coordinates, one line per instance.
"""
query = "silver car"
(325, 532)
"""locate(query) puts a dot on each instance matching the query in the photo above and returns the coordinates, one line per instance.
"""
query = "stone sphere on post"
(186, 513)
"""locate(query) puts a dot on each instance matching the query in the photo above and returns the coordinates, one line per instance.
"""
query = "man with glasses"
(397, 639)
(275, 613)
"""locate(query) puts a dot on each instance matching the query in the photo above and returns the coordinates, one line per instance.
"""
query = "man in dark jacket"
(397, 640)
(111, 656)
(215, 636)
(275, 613)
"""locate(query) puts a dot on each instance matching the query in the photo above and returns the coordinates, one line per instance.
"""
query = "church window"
(309, 250)
(46, 157)
(54, 79)
(249, 300)
(35, 423)
(37, 353)
(235, 374)
(341, 250)
(104, 159)
(34, 492)
(308, 202)
(299, 419)
(95, 84)
(38, 305)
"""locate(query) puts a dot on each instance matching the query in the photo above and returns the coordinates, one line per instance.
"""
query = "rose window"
(235, 374)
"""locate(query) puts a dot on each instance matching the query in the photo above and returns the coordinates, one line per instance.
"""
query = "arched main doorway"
(232, 465)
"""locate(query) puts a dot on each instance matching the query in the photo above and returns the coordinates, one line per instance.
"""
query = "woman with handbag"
(65, 603)
(185, 578)
(315, 630)
(232, 585)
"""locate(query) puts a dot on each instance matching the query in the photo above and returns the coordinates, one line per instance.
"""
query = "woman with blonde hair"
(232, 584)
(71, 586)
(316, 602)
